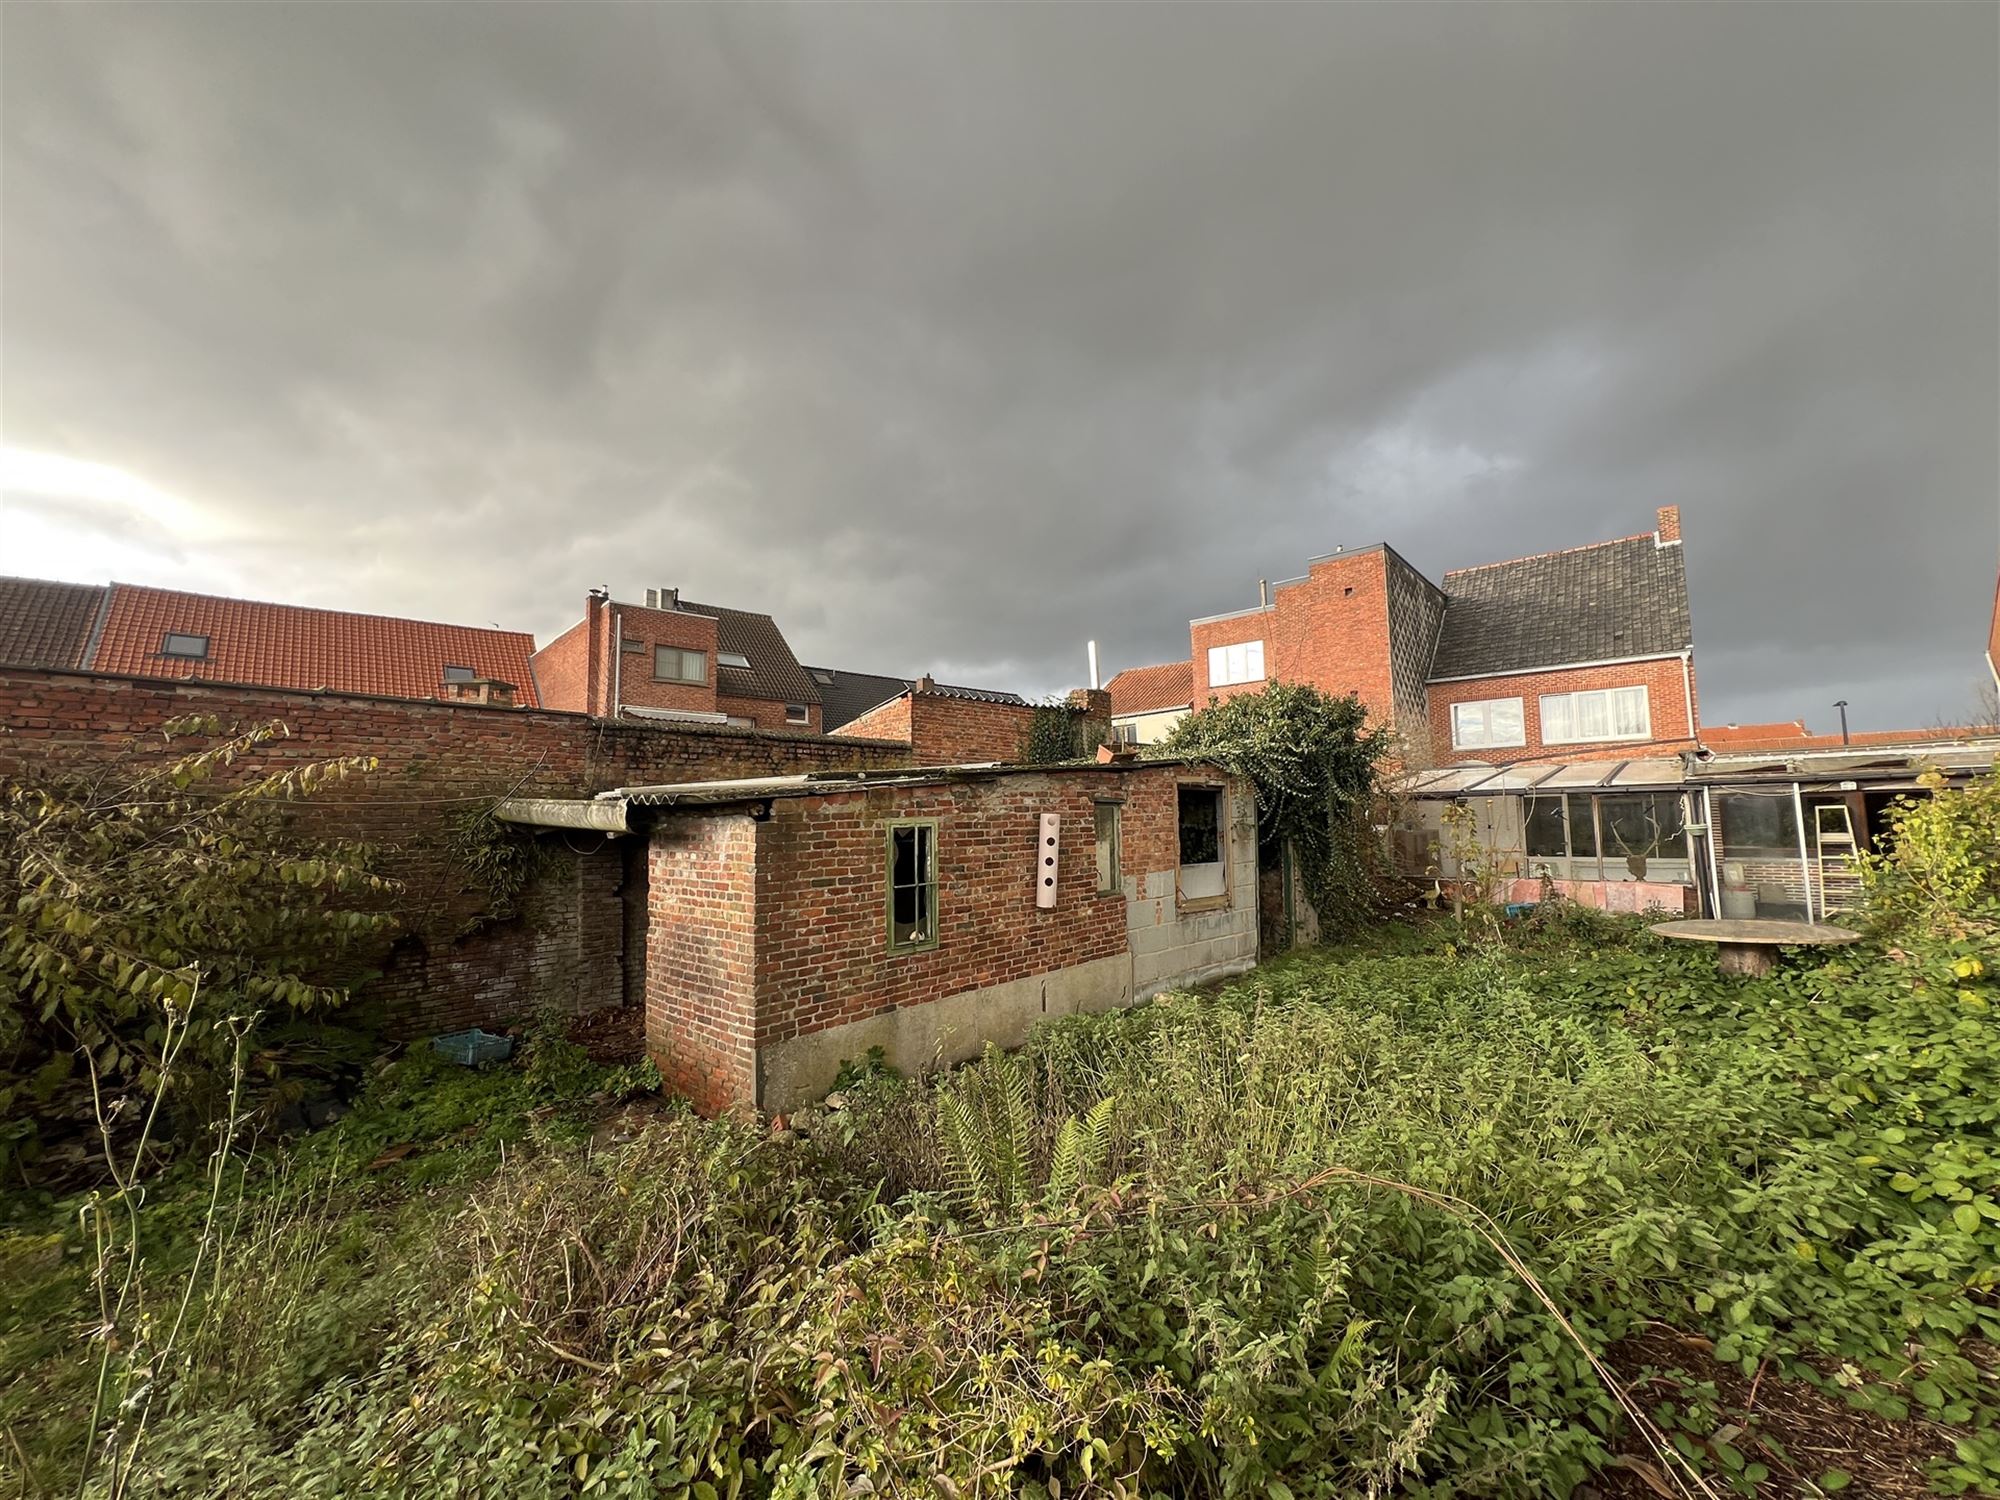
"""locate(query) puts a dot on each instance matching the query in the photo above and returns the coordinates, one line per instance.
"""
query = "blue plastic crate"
(1518, 909)
(472, 1049)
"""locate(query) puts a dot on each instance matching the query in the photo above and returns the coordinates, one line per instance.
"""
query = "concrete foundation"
(917, 1037)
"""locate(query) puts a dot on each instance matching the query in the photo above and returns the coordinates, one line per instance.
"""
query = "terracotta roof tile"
(1138, 690)
(45, 624)
(289, 646)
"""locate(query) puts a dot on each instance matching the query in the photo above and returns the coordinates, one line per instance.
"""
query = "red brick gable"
(289, 646)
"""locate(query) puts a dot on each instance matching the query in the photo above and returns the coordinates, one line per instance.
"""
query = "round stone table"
(1747, 945)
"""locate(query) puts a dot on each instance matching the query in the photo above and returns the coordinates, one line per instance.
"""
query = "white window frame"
(1566, 710)
(797, 713)
(1241, 661)
(1486, 738)
(169, 650)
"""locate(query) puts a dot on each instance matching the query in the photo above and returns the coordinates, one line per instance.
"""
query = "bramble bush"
(124, 890)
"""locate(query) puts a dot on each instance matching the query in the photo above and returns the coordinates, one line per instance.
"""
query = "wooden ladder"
(1833, 833)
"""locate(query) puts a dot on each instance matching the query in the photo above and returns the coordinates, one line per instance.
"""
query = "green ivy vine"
(1313, 759)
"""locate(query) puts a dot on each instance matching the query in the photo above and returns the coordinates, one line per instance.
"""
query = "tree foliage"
(126, 888)
(1313, 759)
(1938, 873)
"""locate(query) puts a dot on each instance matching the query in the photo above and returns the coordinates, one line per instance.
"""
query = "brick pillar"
(1668, 528)
(1094, 706)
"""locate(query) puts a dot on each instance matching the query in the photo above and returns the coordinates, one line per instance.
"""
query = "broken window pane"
(912, 885)
(1201, 825)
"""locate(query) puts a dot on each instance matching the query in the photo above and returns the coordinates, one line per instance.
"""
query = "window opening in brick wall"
(1243, 662)
(795, 713)
(1110, 856)
(629, 643)
(1487, 723)
(1605, 714)
(912, 885)
(671, 664)
(1201, 843)
(190, 647)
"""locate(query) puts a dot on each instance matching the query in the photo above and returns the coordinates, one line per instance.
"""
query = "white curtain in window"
(1243, 662)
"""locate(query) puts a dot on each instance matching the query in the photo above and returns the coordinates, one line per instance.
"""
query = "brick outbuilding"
(794, 922)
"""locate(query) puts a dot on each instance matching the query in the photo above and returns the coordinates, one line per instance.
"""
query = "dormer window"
(186, 647)
(732, 659)
(459, 674)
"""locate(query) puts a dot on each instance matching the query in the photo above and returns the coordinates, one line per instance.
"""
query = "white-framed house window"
(1488, 723)
(1622, 713)
(797, 713)
(1243, 662)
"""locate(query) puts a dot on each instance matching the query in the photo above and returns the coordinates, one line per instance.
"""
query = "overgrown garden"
(1413, 1216)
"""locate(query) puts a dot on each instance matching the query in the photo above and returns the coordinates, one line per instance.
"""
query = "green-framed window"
(1110, 854)
(913, 884)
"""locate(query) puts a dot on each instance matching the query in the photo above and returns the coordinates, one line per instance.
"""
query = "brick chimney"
(1093, 705)
(926, 684)
(488, 690)
(1668, 526)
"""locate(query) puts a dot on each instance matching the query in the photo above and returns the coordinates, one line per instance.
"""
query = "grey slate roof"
(852, 694)
(1599, 603)
(46, 624)
(774, 674)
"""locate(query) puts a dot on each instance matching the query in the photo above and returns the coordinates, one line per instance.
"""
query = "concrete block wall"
(1175, 943)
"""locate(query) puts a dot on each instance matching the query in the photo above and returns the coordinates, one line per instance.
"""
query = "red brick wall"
(662, 627)
(1666, 693)
(435, 759)
(947, 731)
(815, 876)
(562, 670)
(1256, 625)
(1329, 629)
(885, 721)
(1993, 638)
(702, 910)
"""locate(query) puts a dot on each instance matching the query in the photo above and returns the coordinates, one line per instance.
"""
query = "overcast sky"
(955, 336)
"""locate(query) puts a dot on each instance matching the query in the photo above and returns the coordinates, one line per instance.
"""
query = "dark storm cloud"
(955, 336)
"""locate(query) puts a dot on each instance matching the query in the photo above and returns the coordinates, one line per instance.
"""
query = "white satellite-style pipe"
(1094, 683)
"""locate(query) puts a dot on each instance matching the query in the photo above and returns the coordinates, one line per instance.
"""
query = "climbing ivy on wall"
(1054, 735)
(1313, 761)
(498, 860)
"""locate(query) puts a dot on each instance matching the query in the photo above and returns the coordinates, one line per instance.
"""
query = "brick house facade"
(777, 947)
(1589, 650)
(671, 657)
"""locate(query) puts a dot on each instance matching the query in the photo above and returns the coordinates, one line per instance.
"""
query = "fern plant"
(990, 1146)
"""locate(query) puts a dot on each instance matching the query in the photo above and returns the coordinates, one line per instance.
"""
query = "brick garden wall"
(1666, 693)
(885, 721)
(436, 759)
